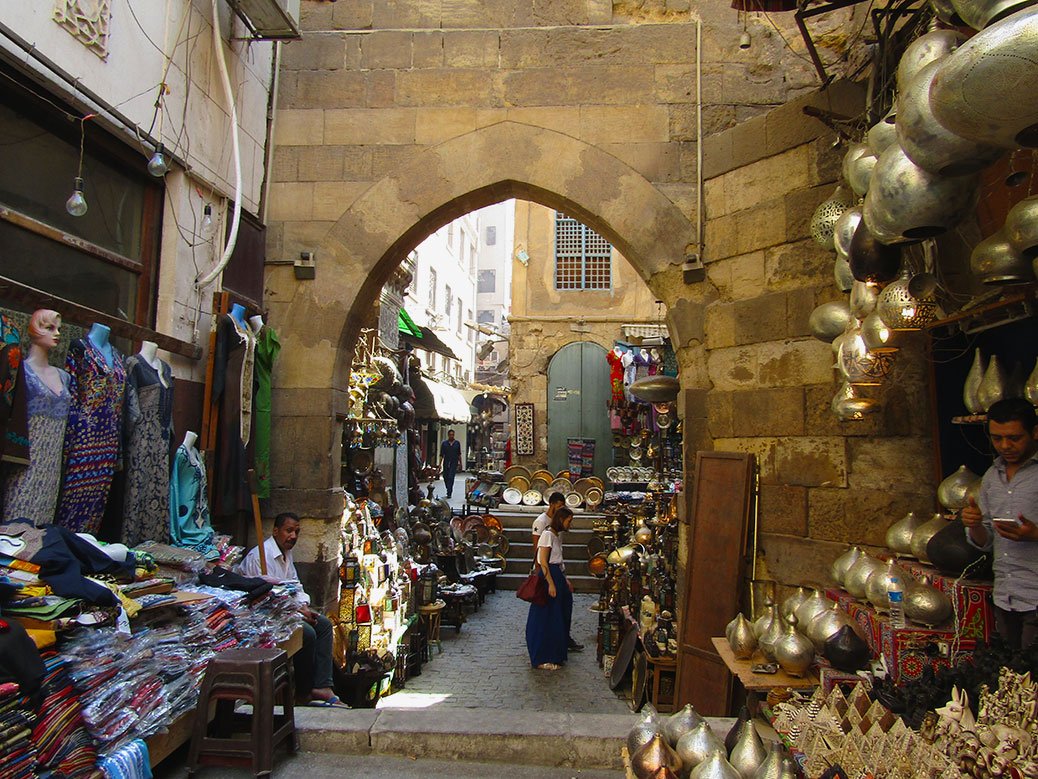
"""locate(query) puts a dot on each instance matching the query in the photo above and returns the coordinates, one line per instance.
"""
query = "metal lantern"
(945, 12)
(978, 14)
(907, 203)
(843, 231)
(842, 273)
(863, 299)
(882, 133)
(858, 365)
(828, 320)
(983, 90)
(825, 216)
(858, 164)
(901, 310)
(877, 336)
(848, 407)
(927, 48)
(1021, 227)
(871, 260)
(927, 143)
(996, 261)
(428, 586)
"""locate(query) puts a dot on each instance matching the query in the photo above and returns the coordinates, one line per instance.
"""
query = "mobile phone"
(1013, 521)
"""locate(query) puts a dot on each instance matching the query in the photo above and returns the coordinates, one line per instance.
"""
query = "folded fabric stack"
(62, 743)
(17, 753)
(130, 761)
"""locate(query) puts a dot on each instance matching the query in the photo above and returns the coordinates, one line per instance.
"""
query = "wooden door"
(722, 502)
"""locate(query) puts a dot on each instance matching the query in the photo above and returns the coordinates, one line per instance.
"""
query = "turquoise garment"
(189, 525)
(267, 348)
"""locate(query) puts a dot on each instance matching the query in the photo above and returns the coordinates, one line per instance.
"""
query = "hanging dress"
(188, 508)
(93, 438)
(14, 413)
(616, 378)
(32, 492)
(232, 390)
(149, 424)
(267, 348)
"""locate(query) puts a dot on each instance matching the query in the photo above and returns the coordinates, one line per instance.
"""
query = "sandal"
(548, 667)
(331, 703)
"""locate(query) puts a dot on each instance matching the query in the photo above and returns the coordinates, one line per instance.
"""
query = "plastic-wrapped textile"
(129, 761)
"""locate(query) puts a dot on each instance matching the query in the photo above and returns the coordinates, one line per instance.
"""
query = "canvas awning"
(434, 400)
(428, 341)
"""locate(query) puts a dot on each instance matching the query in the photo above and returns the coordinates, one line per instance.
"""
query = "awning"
(406, 325)
(434, 400)
(429, 341)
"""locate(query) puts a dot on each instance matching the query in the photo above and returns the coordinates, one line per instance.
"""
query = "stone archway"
(322, 319)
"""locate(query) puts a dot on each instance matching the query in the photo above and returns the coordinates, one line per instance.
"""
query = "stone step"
(574, 566)
(580, 582)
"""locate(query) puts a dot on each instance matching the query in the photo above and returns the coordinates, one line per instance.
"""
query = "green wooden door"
(578, 404)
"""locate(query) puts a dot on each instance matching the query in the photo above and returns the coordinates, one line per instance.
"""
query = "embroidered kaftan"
(32, 492)
(188, 509)
(92, 440)
(149, 423)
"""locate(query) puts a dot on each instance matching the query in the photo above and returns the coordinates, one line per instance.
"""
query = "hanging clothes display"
(267, 348)
(148, 426)
(616, 376)
(32, 492)
(188, 508)
(14, 415)
(92, 440)
(233, 391)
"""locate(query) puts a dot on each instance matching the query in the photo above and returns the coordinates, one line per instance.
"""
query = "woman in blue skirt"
(547, 626)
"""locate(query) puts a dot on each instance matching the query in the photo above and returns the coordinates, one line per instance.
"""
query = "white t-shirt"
(539, 524)
(554, 543)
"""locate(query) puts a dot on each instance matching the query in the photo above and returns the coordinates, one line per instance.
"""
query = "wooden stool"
(431, 616)
(661, 669)
(260, 677)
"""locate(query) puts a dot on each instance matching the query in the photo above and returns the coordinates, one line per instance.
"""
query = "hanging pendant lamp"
(996, 261)
(871, 260)
(901, 310)
(1021, 227)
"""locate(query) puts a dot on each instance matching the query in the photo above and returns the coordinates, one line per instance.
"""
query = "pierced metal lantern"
(996, 261)
(825, 216)
(901, 310)
(858, 365)
(871, 260)
(1021, 227)
(907, 203)
(926, 141)
(929, 47)
(877, 336)
(983, 90)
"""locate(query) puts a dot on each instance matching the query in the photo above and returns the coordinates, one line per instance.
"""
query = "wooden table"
(757, 682)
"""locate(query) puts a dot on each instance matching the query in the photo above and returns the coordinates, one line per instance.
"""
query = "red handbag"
(534, 590)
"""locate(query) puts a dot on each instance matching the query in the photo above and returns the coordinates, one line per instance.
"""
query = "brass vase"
(1021, 227)
(749, 752)
(971, 386)
(777, 765)
(680, 722)
(766, 641)
(899, 534)
(741, 638)
(763, 622)
(698, 744)
(813, 605)
(794, 652)
(877, 588)
(715, 767)
(642, 732)
(653, 756)
(1031, 386)
(930, 47)
(926, 605)
(846, 650)
(790, 604)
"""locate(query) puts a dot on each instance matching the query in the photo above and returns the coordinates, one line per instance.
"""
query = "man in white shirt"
(555, 501)
(313, 663)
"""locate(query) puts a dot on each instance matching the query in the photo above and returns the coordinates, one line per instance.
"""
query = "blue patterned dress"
(94, 430)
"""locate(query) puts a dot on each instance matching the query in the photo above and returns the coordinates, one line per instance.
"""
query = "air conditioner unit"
(269, 19)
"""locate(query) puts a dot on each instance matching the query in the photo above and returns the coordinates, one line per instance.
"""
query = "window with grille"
(449, 301)
(583, 258)
(432, 289)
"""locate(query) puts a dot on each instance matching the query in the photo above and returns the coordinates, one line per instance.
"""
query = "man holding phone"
(1008, 497)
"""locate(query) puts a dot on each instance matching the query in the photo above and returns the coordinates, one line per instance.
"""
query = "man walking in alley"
(450, 461)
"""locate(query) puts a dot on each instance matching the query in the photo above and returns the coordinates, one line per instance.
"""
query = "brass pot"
(863, 299)
(826, 623)
(899, 534)
(971, 386)
(842, 564)
(748, 752)
(992, 387)
(740, 637)
(883, 132)
(1021, 227)
(980, 91)
(843, 232)
(715, 767)
(842, 273)
(921, 537)
(766, 640)
(995, 260)
(877, 336)
(777, 765)
(926, 141)
(812, 606)
(642, 733)
(656, 754)
(927, 48)
(907, 203)
(763, 622)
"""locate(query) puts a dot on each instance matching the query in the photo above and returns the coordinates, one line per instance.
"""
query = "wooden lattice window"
(583, 258)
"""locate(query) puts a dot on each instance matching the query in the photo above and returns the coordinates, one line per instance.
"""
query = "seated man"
(313, 663)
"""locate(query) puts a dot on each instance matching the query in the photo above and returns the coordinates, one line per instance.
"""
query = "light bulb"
(207, 220)
(745, 40)
(76, 203)
(158, 165)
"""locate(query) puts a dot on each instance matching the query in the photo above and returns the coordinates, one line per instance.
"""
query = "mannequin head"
(45, 328)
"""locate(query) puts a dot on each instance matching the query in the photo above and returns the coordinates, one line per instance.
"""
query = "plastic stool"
(260, 677)
(431, 615)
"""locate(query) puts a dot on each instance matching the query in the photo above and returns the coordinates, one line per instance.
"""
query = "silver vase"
(812, 606)
(1021, 227)
(680, 722)
(748, 752)
(996, 261)
(741, 638)
(926, 605)
(993, 386)
(927, 142)
(1031, 386)
(842, 564)
(763, 622)
(698, 744)
(899, 534)
(794, 652)
(653, 756)
(642, 732)
(972, 383)
(824, 218)
(877, 588)
(715, 767)
(790, 604)
(921, 537)
(859, 574)
(930, 47)
(907, 203)
(828, 320)
(977, 91)
(777, 765)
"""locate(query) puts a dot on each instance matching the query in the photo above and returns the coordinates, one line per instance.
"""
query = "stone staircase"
(516, 521)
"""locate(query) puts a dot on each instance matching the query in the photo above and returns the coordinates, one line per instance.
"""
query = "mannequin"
(629, 372)
(233, 367)
(147, 431)
(32, 492)
(92, 440)
(256, 322)
(267, 348)
(188, 509)
(616, 375)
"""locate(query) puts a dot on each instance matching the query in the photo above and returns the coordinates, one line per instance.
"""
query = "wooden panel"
(715, 573)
